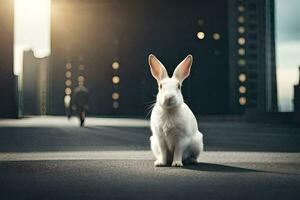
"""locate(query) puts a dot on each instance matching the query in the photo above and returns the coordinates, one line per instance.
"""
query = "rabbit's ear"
(182, 71)
(158, 71)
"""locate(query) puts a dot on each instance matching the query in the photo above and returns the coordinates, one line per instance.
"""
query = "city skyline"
(288, 42)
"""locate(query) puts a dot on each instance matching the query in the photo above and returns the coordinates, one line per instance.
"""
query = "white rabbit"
(175, 137)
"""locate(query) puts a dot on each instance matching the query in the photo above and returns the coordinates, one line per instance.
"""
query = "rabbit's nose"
(169, 99)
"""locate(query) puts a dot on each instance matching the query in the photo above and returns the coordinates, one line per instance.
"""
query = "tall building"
(252, 55)
(297, 96)
(8, 105)
(107, 43)
(35, 84)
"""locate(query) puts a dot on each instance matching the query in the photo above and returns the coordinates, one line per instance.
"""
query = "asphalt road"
(110, 159)
(59, 134)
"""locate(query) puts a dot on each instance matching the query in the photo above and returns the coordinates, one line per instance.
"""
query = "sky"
(33, 32)
(288, 50)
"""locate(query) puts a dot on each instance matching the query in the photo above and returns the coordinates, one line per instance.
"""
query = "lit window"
(68, 91)
(68, 66)
(200, 22)
(241, 29)
(115, 65)
(241, 19)
(68, 74)
(81, 67)
(201, 35)
(242, 77)
(242, 89)
(68, 82)
(115, 96)
(81, 78)
(241, 8)
(242, 62)
(115, 105)
(116, 79)
(241, 41)
(242, 101)
(242, 51)
(216, 36)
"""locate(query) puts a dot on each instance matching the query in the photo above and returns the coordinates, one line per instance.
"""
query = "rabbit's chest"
(171, 129)
(171, 133)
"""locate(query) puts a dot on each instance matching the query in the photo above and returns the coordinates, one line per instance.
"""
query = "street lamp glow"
(241, 29)
(242, 101)
(216, 36)
(115, 65)
(242, 77)
(242, 41)
(115, 79)
(201, 35)
(242, 89)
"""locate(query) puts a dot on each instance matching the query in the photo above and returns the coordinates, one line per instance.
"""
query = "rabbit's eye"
(178, 86)
(160, 86)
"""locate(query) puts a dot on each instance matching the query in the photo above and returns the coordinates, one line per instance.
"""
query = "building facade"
(106, 44)
(8, 100)
(296, 100)
(252, 55)
(35, 84)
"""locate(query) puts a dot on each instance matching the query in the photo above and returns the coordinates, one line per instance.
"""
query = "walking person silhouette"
(80, 101)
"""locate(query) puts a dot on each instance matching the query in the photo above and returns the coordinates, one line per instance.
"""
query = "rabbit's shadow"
(211, 167)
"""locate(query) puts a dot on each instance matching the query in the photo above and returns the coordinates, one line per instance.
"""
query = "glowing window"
(116, 79)
(241, 29)
(201, 35)
(241, 8)
(68, 91)
(242, 101)
(242, 89)
(115, 65)
(68, 66)
(115, 105)
(68, 82)
(242, 41)
(81, 67)
(216, 36)
(200, 22)
(242, 62)
(242, 77)
(68, 74)
(115, 96)
(241, 19)
(80, 78)
(242, 51)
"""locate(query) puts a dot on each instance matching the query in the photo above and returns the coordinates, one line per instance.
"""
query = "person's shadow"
(211, 167)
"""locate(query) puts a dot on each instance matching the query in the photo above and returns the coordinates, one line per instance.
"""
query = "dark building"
(8, 105)
(106, 44)
(35, 84)
(252, 55)
(297, 96)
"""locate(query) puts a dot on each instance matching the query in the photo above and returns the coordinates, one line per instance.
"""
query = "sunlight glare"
(32, 30)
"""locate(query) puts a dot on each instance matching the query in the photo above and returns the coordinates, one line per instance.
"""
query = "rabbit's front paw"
(159, 163)
(177, 164)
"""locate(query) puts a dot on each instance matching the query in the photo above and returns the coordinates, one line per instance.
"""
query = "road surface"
(52, 158)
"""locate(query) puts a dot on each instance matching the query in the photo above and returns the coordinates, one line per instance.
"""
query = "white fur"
(175, 137)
